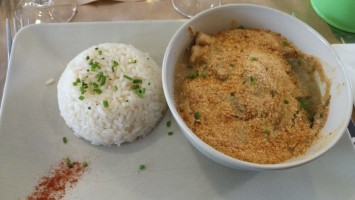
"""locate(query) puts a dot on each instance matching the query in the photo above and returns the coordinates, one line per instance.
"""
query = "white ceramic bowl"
(303, 36)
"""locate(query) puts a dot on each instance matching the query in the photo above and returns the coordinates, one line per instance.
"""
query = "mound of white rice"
(111, 93)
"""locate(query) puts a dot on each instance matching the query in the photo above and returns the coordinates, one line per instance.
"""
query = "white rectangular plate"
(31, 132)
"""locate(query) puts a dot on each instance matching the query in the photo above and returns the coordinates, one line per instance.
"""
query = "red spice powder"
(54, 185)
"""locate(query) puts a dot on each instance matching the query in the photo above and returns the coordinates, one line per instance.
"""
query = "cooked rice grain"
(127, 116)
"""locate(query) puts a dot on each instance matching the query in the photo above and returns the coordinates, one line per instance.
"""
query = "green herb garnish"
(137, 81)
(128, 78)
(134, 61)
(252, 81)
(232, 94)
(267, 132)
(189, 66)
(303, 102)
(97, 90)
(67, 160)
(94, 65)
(81, 98)
(197, 115)
(114, 64)
(134, 87)
(168, 123)
(105, 103)
(285, 101)
(89, 108)
(241, 27)
(253, 59)
(139, 93)
(100, 77)
(100, 52)
(285, 42)
(85, 164)
(115, 87)
(170, 133)
(141, 167)
(311, 118)
(87, 57)
(65, 140)
(192, 76)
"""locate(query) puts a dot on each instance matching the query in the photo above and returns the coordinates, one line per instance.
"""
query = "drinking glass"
(46, 11)
(189, 8)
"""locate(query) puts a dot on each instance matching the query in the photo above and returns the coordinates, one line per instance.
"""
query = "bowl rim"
(221, 157)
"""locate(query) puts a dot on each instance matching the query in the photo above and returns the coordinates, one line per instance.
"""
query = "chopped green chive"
(115, 87)
(89, 108)
(197, 115)
(96, 48)
(303, 102)
(252, 80)
(285, 101)
(134, 87)
(244, 82)
(65, 140)
(189, 66)
(114, 64)
(148, 83)
(170, 133)
(232, 94)
(81, 97)
(100, 52)
(192, 76)
(168, 123)
(272, 95)
(94, 65)
(321, 115)
(87, 57)
(128, 78)
(134, 61)
(100, 77)
(203, 75)
(75, 83)
(70, 165)
(143, 91)
(85, 164)
(267, 132)
(97, 90)
(241, 27)
(232, 65)
(253, 59)
(67, 160)
(137, 81)
(311, 118)
(105, 103)
(141, 167)
(285, 42)
(139, 93)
